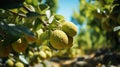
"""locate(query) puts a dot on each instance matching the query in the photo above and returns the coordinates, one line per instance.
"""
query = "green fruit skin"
(42, 55)
(58, 39)
(70, 42)
(30, 53)
(69, 28)
(48, 53)
(9, 63)
(19, 64)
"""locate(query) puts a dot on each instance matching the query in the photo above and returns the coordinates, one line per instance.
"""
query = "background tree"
(98, 20)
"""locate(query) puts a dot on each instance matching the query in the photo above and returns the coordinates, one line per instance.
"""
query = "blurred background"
(98, 28)
(94, 22)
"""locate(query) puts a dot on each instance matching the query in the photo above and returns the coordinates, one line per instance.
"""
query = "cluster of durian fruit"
(63, 38)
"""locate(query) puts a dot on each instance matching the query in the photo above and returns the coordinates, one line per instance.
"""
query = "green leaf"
(29, 1)
(11, 4)
(24, 30)
(51, 19)
(40, 0)
(9, 40)
(54, 23)
(117, 28)
(37, 24)
(59, 17)
(48, 13)
(35, 2)
(32, 14)
(109, 1)
(14, 32)
(9, 29)
(45, 36)
(10, 35)
(43, 7)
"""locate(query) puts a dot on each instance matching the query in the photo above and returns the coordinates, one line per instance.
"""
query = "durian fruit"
(48, 54)
(20, 45)
(69, 28)
(19, 64)
(70, 42)
(30, 53)
(9, 63)
(58, 39)
(42, 55)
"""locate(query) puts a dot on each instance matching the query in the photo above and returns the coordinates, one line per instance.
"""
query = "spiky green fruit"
(58, 39)
(69, 28)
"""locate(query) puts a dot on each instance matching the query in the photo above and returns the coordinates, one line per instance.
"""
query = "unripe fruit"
(70, 42)
(48, 53)
(69, 28)
(4, 51)
(30, 53)
(44, 48)
(38, 59)
(42, 55)
(9, 63)
(58, 39)
(20, 45)
(19, 64)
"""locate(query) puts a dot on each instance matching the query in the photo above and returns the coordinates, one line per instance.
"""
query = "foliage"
(99, 20)
(25, 31)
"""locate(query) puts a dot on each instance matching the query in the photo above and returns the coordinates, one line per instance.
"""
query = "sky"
(66, 8)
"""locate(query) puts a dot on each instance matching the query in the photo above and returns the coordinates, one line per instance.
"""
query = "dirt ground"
(100, 58)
